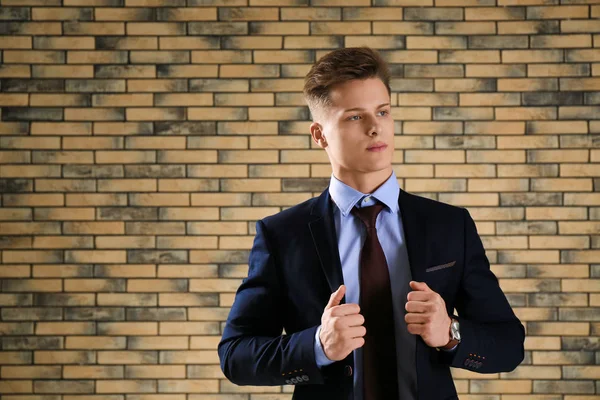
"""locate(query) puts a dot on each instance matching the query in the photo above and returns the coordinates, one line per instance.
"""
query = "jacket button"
(348, 370)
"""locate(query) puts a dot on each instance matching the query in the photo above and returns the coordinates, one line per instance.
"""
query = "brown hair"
(340, 66)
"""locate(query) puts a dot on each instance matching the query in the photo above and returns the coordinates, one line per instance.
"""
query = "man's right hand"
(342, 329)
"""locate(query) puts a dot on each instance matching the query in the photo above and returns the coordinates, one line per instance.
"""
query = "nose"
(373, 126)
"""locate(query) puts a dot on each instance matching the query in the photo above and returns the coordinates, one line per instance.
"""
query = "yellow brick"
(541, 343)
(251, 185)
(125, 157)
(499, 386)
(402, 27)
(64, 328)
(93, 114)
(276, 85)
(15, 71)
(556, 12)
(531, 56)
(581, 285)
(217, 113)
(561, 41)
(214, 285)
(279, 142)
(555, 213)
(121, 100)
(340, 28)
(470, 199)
(465, 28)
(437, 42)
(547, 70)
(121, 14)
(243, 99)
(590, 170)
(435, 156)
(188, 14)
(523, 84)
(576, 227)
(533, 372)
(562, 328)
(524, 285)
(92, 256)
(155, 371)
(498, 185)
(525, 113)
(557, 156)
(124, 242)
(188, 71)
(250, 42)
(562, 184)
(470, 56)
(33, 56)
(279, 28)
(21, 42)
(557, 127)
(252, 156)
(494, 70)
(31, 372)
(489, 99)
(92, 372)
(155, 28)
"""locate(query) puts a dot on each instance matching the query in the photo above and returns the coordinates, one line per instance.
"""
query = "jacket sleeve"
(492, 337)
(252, 350)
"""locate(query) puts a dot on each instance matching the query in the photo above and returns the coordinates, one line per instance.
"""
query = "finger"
(356, 343)
(345, 309)
(356, 332)
(420, 296)
(353, 320)
(336, 297)
(416, 318)
(417, 306)
(420, 286)
(416, 329)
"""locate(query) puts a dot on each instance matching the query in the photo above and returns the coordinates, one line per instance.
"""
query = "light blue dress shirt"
(351, 235)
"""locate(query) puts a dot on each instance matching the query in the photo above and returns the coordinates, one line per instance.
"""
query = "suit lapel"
(415, 235)
(324, 237)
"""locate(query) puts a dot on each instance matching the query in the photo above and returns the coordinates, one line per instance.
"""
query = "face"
(357, 120)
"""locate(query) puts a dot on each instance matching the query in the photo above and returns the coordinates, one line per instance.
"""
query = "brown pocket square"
(442, 266)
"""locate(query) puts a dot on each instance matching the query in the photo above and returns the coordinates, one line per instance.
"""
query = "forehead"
(359, 93)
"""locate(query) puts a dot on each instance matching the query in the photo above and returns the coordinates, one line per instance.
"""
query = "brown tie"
(379, 352)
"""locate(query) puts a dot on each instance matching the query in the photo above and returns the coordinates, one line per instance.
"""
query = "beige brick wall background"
(141, 140)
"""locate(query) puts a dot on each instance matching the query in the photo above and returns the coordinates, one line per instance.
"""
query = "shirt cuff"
(320, 356)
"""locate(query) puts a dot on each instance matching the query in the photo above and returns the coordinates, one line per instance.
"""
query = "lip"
(379, 146)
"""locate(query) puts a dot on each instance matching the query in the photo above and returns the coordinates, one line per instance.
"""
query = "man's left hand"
(427, 316)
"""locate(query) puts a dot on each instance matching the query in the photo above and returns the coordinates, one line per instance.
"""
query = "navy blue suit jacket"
(294, 266)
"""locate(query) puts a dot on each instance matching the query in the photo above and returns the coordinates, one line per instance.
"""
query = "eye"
(384, 112)
(353, 118)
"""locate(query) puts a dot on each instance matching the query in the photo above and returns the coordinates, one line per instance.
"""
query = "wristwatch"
(454, 335)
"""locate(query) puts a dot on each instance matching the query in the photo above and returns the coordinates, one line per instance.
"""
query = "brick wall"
(140, 143)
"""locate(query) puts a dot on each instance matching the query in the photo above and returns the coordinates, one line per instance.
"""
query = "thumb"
(336, 297)
(420, 286)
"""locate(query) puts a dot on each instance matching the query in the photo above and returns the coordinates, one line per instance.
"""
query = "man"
(365, 278)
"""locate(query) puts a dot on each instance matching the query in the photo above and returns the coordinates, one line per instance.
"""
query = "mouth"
(377, 147)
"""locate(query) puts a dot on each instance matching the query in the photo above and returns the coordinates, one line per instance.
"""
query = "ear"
(316, 131)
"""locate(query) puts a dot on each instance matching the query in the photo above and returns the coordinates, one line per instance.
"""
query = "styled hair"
(340, 66)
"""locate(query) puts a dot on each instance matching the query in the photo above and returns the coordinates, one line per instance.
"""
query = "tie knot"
(368, 215)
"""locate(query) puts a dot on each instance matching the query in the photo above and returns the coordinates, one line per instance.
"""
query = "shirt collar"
(346, 197)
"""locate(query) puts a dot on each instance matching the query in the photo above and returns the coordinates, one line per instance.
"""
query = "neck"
(364, 182)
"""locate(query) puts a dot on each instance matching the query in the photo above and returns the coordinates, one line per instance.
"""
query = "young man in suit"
(364, 279)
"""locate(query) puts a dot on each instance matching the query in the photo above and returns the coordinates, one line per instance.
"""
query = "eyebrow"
(362, 109)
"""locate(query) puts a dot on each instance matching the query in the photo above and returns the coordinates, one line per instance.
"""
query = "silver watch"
(455, 330)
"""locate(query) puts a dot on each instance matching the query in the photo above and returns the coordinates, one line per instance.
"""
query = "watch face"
(455, 331)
